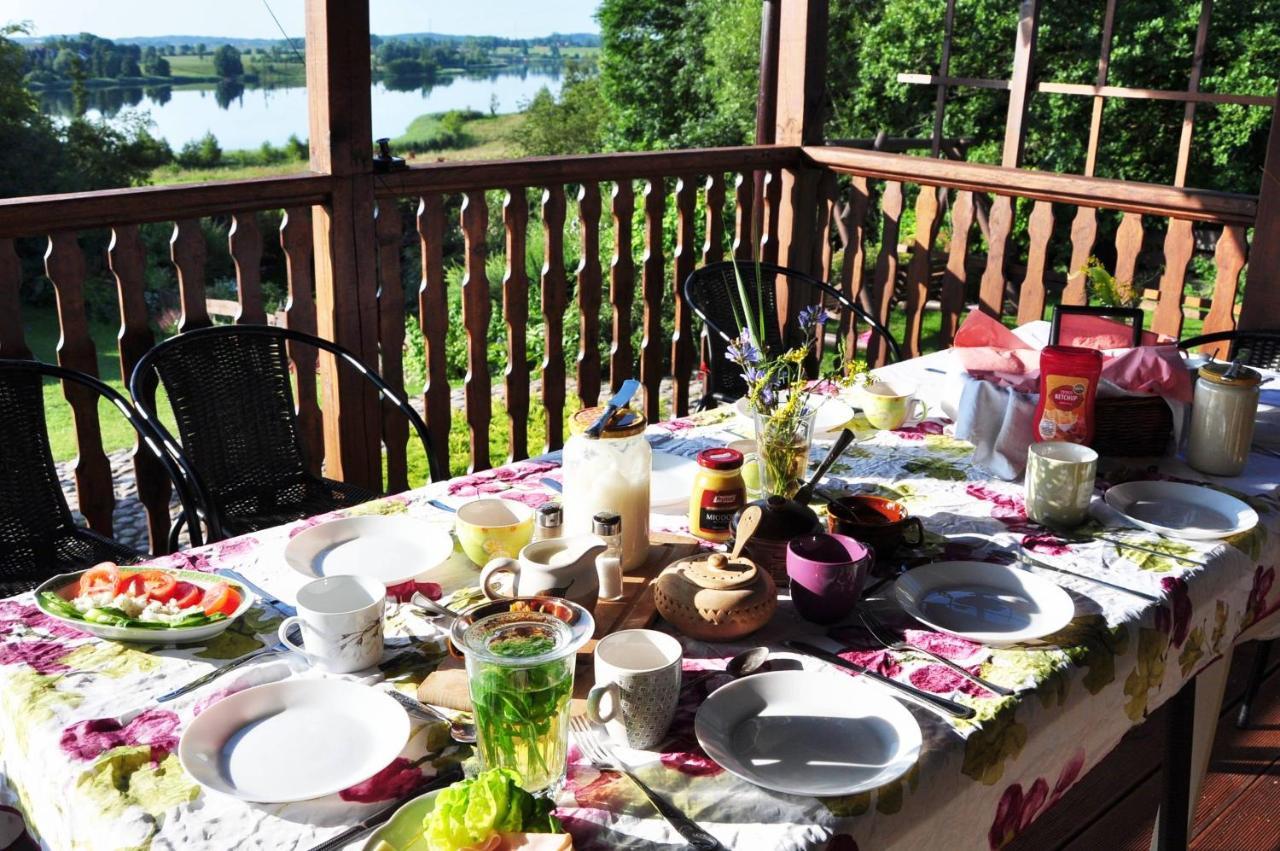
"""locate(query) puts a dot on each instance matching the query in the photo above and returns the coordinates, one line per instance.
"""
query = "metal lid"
(625, 423)
(1242, 376)
(549, 515)
(606, 523)
(720, 458)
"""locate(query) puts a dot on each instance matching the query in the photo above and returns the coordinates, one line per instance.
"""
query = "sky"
(250, 18)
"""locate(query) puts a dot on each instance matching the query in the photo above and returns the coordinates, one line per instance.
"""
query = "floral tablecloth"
(88, 756)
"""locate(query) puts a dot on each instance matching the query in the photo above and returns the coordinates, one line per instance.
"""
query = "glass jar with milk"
(609, 473)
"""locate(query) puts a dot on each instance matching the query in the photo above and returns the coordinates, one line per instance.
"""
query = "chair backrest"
(712, 292)
(233, 405)
(33, 510)
(1257, 347)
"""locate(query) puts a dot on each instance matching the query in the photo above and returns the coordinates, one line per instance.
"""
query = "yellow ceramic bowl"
(492, 528)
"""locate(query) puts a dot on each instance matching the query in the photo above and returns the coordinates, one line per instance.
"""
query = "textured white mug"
(341, 619)
(1059, 483)
(637, 686)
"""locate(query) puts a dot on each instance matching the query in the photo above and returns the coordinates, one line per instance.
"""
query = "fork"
(871, 624)
(602, 757)
(220, 670)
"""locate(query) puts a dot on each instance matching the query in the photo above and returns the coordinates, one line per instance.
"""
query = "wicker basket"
(1132, 426)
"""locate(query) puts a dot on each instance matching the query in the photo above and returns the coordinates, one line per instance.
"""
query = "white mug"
(637, 686)
(341, 619)
(1059, 483)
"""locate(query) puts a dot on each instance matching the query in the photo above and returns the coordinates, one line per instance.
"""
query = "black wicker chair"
(233, 402)
(1260, 348)
(1254, 348)
(38, 537)
(712, 292)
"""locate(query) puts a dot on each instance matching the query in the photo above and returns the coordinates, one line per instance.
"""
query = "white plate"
(988, 603)
(391, 549)
(1181, 510)
(832, 417)
(293, 740)
(671, 483)
(808, 732)
(65, 584)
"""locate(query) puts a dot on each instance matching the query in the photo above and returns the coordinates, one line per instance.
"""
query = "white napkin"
(998, 422)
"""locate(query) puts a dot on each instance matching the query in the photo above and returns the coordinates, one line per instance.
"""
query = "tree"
(572, 124)
(130, 68)
(226, 62)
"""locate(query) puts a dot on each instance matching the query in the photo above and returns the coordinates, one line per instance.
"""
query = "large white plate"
(1181, 510)
(391, 549)
(293, 740)
(65, 585)
(808, 733)
(671, 483)
(988, 603)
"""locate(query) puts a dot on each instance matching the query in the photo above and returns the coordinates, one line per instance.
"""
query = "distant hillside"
(211, 41)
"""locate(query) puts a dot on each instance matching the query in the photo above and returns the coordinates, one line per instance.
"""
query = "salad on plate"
(107, 595)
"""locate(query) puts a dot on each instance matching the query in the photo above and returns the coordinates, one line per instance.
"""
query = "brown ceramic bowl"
(881, 523)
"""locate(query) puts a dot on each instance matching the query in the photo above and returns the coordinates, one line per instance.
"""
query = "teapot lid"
(720, 574)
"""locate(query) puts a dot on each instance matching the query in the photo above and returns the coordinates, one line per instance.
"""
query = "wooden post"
(766, 108)
(1261, 291)
(338, 79)
(1020, 85)
(802, 70)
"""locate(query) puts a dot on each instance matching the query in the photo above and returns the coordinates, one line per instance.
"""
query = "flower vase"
(782, 449)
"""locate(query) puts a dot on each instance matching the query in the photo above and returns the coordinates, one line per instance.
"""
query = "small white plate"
(293, 740)
(808, 732)
(832, 416)
(391, 549)
(1181, 510)
(671, 483)
(991, 604)
(403, 831)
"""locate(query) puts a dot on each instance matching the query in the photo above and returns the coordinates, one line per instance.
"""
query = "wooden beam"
(802, 69)
(1024, 53)
(1093, 91)
(1146, 198)
(338, 80)
(1193, 85)
(1104, 66)
(944, 68)
(1262, 281)
(766, 105)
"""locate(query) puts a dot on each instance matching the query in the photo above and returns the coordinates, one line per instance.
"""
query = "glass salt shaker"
(608, 526)
(548, 521)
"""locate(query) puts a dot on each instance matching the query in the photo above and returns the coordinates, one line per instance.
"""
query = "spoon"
(460, 730)
(744, 664)
(747, 524)
(842, 443)
(436, 610)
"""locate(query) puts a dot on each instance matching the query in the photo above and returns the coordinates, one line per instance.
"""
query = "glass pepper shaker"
(608, 526)
(548, 521)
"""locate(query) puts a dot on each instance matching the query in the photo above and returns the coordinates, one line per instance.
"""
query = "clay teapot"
(711, 598)
(781, 521)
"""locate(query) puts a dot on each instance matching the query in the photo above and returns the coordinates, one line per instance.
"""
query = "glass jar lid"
(520, 632)
(625, 423)
(1243, 376)
(720, 458)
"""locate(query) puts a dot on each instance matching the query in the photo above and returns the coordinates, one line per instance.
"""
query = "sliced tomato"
(187, 594)
(131, 584)
(221, 598)
(99, 578)
(158, 585)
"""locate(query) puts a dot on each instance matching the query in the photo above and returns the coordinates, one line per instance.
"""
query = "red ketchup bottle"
(1068, 384)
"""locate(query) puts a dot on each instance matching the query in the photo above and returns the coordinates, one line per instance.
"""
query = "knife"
(447, 777)
(955, 710)
(619, 400)
(270, 599)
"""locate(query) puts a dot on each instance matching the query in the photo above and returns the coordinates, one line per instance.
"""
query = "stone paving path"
(130, 518)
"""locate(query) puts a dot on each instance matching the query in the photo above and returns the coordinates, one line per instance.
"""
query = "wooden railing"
(615, 199)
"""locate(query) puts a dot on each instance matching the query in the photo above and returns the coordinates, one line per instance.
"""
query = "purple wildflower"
(813, 317)
(743, 351)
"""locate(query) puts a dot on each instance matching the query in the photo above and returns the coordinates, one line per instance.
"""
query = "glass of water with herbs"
(520, 662)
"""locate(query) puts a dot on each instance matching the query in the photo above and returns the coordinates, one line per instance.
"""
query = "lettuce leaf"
(470, 811)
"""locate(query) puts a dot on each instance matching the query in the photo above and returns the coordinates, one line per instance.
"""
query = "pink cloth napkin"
(989, 350)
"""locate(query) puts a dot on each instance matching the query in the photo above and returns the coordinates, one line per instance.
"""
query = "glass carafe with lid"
(609, 474)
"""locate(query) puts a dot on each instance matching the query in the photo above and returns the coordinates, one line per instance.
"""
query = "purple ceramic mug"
(826, 572)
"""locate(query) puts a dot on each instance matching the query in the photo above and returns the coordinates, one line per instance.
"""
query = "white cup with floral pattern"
(341, 619)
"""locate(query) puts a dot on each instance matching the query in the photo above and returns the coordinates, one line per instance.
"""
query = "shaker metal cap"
(550, 515)
(606, 523)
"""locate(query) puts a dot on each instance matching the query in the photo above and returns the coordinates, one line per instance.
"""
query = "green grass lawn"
(487, 137)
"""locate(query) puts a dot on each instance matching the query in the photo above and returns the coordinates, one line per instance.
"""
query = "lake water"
(246, 117)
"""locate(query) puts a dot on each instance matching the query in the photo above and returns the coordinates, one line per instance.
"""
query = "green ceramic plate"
(404, 831)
